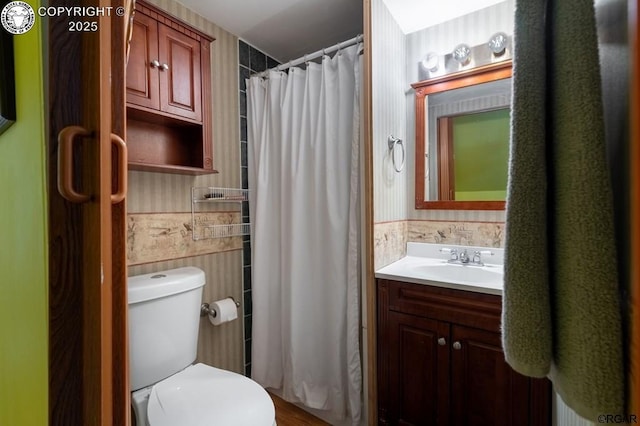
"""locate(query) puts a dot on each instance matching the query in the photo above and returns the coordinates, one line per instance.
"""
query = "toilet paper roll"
(222, 311)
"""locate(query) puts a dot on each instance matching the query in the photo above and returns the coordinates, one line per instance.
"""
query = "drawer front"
(460, 307)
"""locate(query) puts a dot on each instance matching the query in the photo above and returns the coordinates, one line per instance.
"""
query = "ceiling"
(288, 29)
(414, 15)
(284, 29)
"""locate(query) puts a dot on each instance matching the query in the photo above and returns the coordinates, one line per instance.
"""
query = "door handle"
(121, 147)
(65, 163)
(457, 345)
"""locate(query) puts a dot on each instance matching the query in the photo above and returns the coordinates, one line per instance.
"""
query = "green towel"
(561, 312)
(526, 322)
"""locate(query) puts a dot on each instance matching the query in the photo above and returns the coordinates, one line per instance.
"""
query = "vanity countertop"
(426, 264)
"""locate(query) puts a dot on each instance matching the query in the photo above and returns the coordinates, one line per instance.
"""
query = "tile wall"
(251, 60)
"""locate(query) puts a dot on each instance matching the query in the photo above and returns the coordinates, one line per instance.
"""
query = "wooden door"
(143, 77)
(446, 171)
(88, 373)
(180, 73)
(484, 389)
(418, 370)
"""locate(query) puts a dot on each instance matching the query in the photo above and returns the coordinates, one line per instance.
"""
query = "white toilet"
(164, 315)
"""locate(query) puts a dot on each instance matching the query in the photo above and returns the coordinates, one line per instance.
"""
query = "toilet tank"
(164, 316)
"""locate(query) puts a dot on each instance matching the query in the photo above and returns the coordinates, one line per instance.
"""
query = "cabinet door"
(142, 74)
(418, 370)
(484, 388)
(180, 73)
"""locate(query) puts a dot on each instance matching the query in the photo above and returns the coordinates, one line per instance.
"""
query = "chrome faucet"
(477, 256)
(453, 254)
(464, 257)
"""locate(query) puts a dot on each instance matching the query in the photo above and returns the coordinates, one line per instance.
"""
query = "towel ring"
(392, 141)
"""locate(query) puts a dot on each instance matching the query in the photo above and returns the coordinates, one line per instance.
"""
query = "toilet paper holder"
(206, 310)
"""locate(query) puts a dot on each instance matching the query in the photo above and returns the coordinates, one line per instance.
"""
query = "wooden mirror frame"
(484, 74)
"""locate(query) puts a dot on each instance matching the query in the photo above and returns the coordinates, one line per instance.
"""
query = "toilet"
(167, 388)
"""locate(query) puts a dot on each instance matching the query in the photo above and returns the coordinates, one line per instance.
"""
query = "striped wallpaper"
(473, 29)
(395, 58)
(220, 346)
(388, 58)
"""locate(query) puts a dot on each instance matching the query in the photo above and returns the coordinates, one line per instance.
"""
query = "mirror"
(462, 139)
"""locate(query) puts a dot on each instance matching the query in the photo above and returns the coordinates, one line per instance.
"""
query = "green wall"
(481, 149)
(23, 244)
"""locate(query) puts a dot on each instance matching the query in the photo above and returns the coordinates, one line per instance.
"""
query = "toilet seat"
(201, 395)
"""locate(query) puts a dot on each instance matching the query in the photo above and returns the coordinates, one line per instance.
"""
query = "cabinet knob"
(457, 346)
(442, 341)
(155, 64)
(164, 67)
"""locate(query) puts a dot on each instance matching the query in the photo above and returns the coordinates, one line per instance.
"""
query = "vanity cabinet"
(440, 361)
(168, 94)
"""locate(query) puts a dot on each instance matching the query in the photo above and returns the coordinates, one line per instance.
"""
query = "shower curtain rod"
(314, 55)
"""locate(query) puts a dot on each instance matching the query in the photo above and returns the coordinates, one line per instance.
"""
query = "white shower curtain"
(304, 138)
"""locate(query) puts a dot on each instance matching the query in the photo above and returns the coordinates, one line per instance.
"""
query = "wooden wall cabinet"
(440, 361)
(168, 95)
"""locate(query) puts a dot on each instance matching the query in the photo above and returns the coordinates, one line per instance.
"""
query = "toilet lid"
(201, 395)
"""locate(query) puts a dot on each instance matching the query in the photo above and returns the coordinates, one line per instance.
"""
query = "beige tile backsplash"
(390, 238)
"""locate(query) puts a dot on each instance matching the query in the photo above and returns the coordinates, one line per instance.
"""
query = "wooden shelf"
(166, 168)
(170, 146)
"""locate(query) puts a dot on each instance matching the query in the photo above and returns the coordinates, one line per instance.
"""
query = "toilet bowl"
(167, 389)
(201, 395)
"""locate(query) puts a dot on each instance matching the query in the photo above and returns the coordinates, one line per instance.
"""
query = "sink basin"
(428, 264)
(461, 274)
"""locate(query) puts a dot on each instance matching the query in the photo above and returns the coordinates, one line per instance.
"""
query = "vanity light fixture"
(462, 54)
(431, 62)
(498, 43)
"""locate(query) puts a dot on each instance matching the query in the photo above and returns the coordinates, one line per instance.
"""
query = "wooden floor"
(288, 414)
